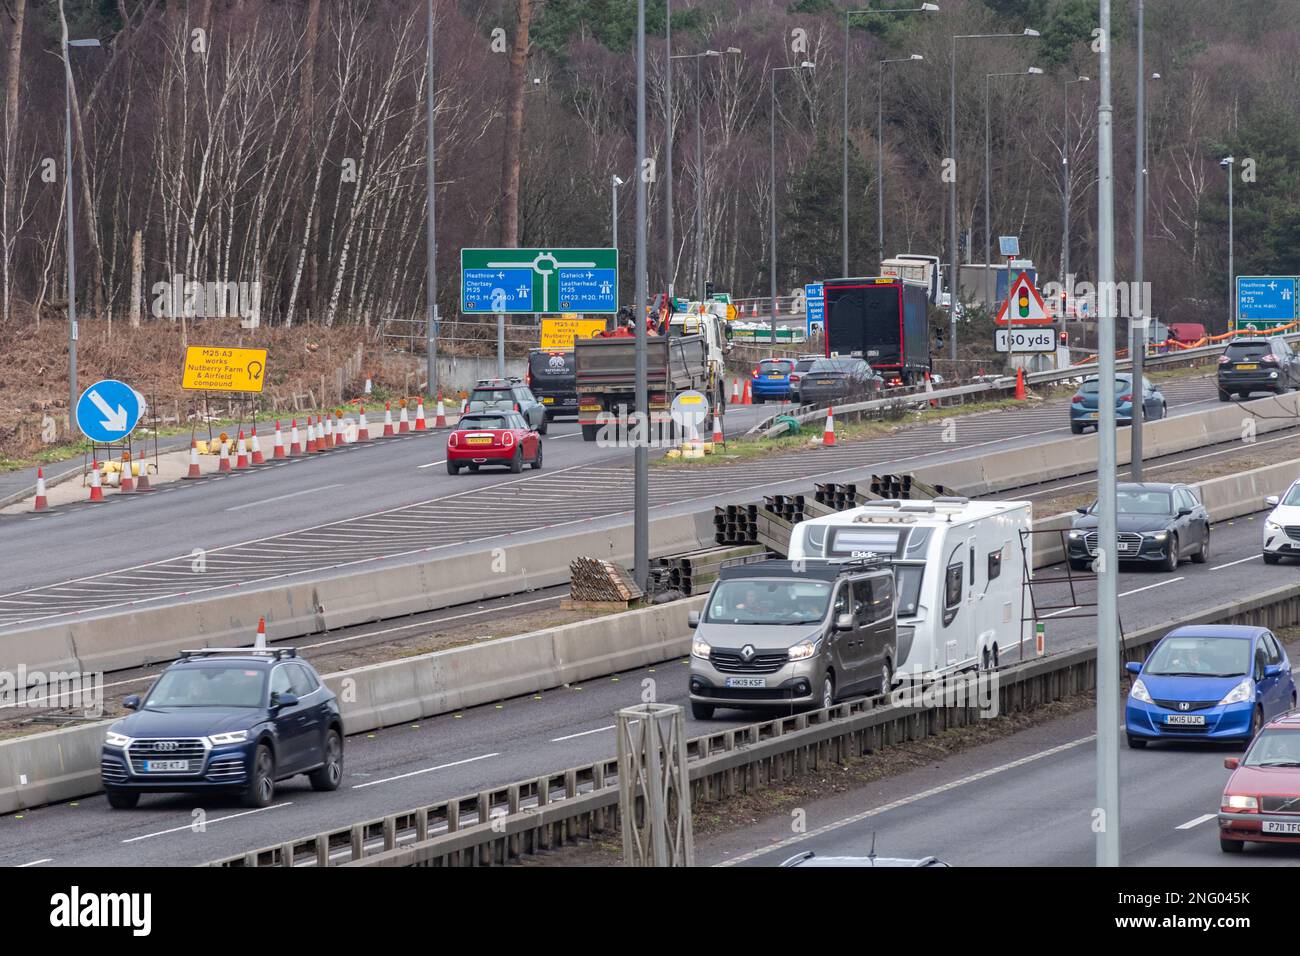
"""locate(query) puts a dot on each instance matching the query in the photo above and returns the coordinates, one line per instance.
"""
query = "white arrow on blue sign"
(108, 411)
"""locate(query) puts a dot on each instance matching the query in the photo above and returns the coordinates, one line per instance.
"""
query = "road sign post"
(530, 281)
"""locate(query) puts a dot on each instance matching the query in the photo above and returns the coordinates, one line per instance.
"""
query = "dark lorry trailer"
(884, 320)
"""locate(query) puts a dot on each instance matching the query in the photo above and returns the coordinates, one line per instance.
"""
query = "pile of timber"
(593, 582)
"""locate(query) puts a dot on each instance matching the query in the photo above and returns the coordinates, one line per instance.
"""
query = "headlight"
(1239, 801)
(700, 649)
(1156, 535)
(1076, 535)
(1242, 692)
(233, 737)
(802, 651)
(1271, 525)
(116, 740)
(1139, 692)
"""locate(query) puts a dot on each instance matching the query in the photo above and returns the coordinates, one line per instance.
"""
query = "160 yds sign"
(1024, 340)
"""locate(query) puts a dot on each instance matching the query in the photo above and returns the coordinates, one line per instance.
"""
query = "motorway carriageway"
(1023, 800)
(251, 527)
(402, 767)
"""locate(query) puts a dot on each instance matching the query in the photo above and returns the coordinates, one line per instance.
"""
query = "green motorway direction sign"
(538, 280)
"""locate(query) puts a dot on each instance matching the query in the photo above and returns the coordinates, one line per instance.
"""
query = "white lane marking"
(433, 464)
(598, 730)
(1204, 817)
(905, 801)
(48, 859)
(190, 826)
(1062, 611)
(1158, 584)
(293, 494)
(570, 435)
(416, 773)
(1253, 557)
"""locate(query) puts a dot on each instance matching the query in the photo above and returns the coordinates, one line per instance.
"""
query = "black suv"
(1156, 524)
(1257, 365)
(230, 720)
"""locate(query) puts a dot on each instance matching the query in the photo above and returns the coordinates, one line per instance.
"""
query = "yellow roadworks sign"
(559, 333)
(224, 370)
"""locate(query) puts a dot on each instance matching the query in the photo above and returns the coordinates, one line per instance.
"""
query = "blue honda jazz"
(1209, 682)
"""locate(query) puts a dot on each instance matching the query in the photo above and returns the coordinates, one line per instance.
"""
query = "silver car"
(793, 633)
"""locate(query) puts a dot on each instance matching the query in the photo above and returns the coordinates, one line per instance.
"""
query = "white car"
(1282, 526)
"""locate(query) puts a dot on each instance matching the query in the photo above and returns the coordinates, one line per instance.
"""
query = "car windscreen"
(907, 581)
(766, 601)
(777, 366)
(492, 395)
(1246, 348)
(233, 686)
(1199, 657)
(486, 422)
(804, 365)
(1092, 386)
(1274, 748)
(1293, 496)
(1140, 503)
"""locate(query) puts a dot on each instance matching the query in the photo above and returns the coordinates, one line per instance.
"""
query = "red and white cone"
(223, 463)
(277, 450)
(929, 387)
(257, 459)
(363, 430)
(313, 444)
(142, 479)
(125, 483)
(419, 414)
(388, 420)
(260, 642)
(403, 423)
(327, 442)
(96, 489)
(338, 429)
(295, 444)
(828, 436)
(717, 431)
(241, 452)
(194, 461)
(441, 420)
(746, 397)
(41, 504)
(735, 391)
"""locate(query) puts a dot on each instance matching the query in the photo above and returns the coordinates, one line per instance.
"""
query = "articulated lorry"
(884, 320)
(605, 374)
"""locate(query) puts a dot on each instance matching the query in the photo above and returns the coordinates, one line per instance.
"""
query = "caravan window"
(852, 542)
(995, 563)
(908, 578)
(952, 588)
(919, 538)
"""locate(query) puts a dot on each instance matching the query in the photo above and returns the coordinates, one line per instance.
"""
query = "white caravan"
(959, 567)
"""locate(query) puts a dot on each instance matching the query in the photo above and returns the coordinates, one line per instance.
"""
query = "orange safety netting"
(1207, 340)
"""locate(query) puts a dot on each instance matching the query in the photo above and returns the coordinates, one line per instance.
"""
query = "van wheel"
(122, 799)
(261, 787)
(886, 678)
(1231, 846)
(701, 711)
(828, 691)
(330, 774)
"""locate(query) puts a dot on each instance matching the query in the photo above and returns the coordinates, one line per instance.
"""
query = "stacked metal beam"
(695, 571)
(594, 580)
(736, 524)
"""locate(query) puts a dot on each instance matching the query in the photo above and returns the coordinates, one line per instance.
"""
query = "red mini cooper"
(493, 438)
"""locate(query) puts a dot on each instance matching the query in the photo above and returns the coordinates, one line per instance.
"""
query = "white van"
(959, 567)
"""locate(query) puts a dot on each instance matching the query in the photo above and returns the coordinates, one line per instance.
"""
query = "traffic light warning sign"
(1024, 306)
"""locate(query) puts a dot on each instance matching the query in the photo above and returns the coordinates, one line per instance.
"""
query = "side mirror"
(693, 619)
(1272, 501)
(1231, 763)
(1082, 509)
(844, 622)
(1184, 512)
(1133, 667)
(131, 701)
(284, 700)
(1272, 670)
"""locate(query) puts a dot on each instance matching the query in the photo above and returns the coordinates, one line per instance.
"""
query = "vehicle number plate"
(826, 381)
(1195, 720)
(548, 400)
(166, 766)
(478, 441)
(1272, 826)
(777, 376)
(1247, 368)
(746, 682)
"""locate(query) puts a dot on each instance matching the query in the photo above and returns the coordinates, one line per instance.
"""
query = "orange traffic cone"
(241, 453)
(194, 461)
(338, 429)
(419, 414)
(258, 458)
(735, 391)
(41, 504)
(260, 642)
(142, 478)
(403, 423)
(747, 398)
(930, 388)
(223, 462)
(717, 431)
(295, 445)
(125, 484)
(96, 490)
(388, 420)
(363, 430)
(828, 436)
(440, 421)
(277, 450)
(1020, 384)
(328, 441)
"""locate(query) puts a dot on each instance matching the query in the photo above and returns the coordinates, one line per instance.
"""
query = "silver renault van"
(793, 633)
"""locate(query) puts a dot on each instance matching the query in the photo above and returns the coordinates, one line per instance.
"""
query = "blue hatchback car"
(1085, 406)
(228, 721)
(1209, 682)
(771, 380)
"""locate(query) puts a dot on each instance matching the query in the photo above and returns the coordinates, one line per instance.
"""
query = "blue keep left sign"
(108, 411)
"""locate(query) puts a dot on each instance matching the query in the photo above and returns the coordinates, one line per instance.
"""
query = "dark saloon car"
(225, 720)
(1257, 365)
(836, 379)
(1157, 524)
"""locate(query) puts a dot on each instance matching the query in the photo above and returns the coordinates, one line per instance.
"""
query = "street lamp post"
(699, 160)
(71, 232)
(1227, 164)
(880, 151)
(988, 162)
(1067, 193)
(1139, 308)
(430, 225)
(614, 183)
(952, 184)
(670, 269)
(844, 211)
(641, 453)
(805, 65)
